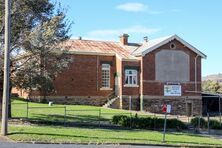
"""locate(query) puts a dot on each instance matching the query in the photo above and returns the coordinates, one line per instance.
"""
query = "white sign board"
(172, 90)
(168, 110)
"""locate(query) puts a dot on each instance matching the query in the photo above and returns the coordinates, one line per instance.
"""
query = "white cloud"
(132, 7)
(112, 34)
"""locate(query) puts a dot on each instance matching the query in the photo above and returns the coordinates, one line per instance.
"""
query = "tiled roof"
(130, 51)
(102, 47)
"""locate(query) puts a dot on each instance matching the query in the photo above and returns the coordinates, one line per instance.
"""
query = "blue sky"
(199, 22)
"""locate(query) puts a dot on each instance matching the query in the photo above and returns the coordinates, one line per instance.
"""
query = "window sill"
(106, 88)
(128, 85)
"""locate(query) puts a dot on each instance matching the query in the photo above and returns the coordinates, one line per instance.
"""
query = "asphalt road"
(27, 145)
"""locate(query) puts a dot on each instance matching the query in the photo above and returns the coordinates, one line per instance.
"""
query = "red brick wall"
(130, 90)
(152, 87)
(83, 77)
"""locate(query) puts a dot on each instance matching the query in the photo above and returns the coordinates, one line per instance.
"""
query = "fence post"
(130, 103)
(164, 128)
(154, 121)
(27, 110)
(208, 124)
(220, 118)
(199, 124)
(65, 116)
(130, 120)
(220, 109)
(99, 116)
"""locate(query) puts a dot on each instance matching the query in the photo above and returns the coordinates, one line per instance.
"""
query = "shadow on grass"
(68, 118)
(91, 122)
(186, 133)
(77, 136)
(110, 139)
(70, 121)
(86, 121)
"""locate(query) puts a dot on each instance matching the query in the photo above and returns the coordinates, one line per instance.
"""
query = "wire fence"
(64, 115)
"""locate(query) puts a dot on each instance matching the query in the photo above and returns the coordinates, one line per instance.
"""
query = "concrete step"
(110, 102)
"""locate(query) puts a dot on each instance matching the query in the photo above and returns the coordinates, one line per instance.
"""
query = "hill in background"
(214, 77)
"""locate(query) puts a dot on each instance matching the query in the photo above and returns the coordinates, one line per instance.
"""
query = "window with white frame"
(130, 77)
(106, 75)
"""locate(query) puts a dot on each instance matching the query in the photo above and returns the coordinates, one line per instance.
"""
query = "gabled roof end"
(154, 44)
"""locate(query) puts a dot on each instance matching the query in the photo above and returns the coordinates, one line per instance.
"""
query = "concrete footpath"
(5, 139)
(213, 134)
(28, 145)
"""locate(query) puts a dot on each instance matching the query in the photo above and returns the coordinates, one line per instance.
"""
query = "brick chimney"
(145, 39)
(124, 39)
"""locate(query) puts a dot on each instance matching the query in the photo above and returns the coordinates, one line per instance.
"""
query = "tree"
(212, 86)
(38, 27)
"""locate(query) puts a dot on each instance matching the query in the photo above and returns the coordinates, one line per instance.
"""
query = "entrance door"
(189, 109)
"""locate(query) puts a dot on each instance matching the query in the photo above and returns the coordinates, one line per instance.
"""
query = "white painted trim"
(181, 82)
(170, 39)
(133, 60)
(105, 88)
(128, 85)
(173, 98)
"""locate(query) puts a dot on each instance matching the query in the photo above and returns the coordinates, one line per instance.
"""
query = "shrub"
(146, 122)
(194, 122)
(117, 118)
(214, 124)
(175, 123)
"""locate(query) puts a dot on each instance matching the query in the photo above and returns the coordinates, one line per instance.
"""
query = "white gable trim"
(170, 39)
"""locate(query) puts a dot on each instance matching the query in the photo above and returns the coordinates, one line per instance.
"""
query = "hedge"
(194, 122)
(147, 122)
(214, 124)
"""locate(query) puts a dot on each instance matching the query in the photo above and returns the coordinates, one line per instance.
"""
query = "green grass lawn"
(74, 113)
(59, 134)
(88, 134)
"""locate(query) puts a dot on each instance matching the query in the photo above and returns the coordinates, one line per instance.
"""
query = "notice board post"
(165, 109)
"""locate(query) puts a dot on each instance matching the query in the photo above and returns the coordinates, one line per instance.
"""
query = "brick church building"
(144, 76)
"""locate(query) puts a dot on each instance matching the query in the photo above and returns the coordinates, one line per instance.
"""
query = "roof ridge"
(92, 40)
(117, 42)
